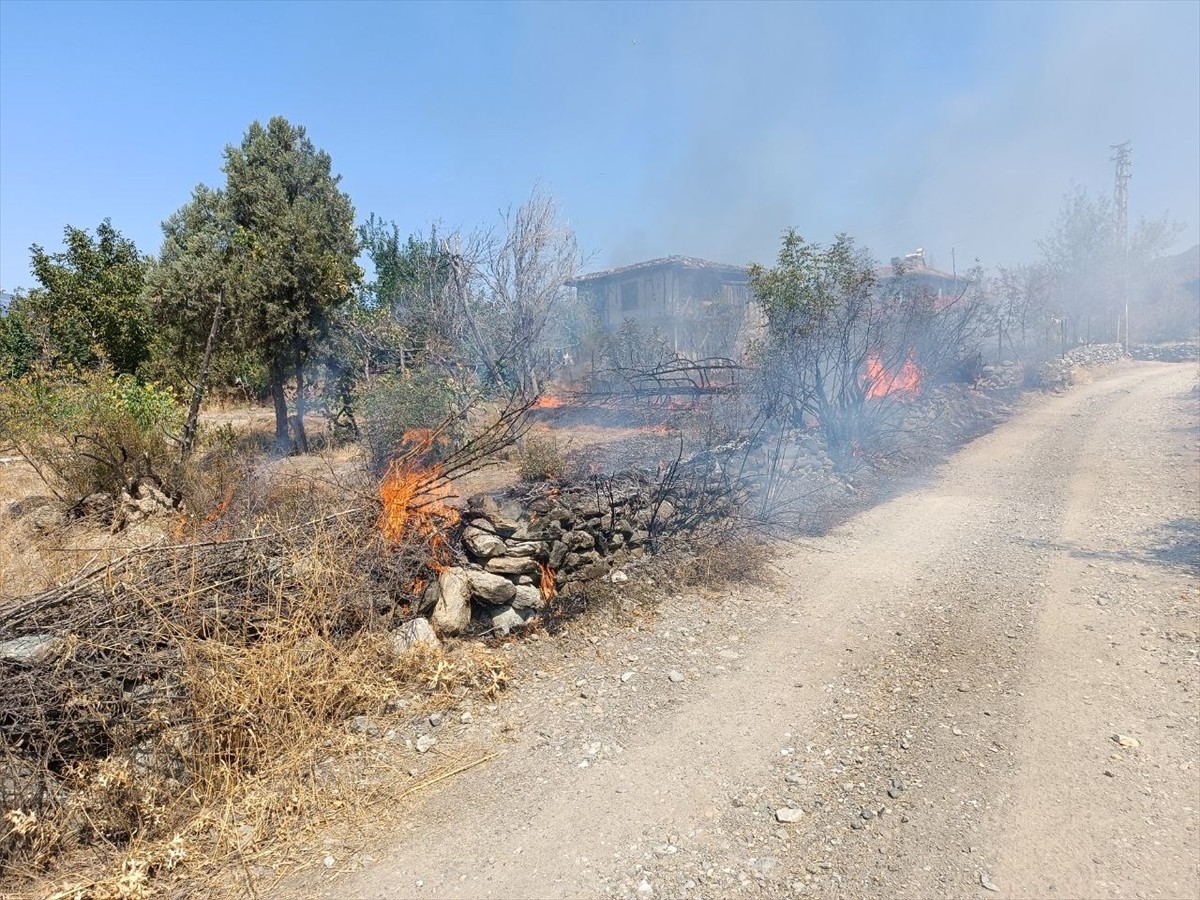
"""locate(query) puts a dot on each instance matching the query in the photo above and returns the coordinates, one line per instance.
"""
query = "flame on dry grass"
(549, 401)
(414, 494)
(882, 383)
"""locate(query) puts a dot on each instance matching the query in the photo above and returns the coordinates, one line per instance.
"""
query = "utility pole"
(1122, 156)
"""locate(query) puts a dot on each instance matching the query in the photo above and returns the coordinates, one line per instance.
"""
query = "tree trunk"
(298, 422)
(193, 416)
(282, 443)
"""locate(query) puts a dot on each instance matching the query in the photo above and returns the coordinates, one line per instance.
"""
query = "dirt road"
(936, 687)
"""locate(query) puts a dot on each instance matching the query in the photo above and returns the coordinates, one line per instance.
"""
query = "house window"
(629, 296)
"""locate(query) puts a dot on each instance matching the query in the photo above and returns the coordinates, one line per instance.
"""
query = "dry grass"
(263, 755)
(224, 745)
(196, 714)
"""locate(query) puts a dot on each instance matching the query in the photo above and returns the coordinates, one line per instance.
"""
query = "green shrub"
(542, 457)
(93, 433)
(394, 405)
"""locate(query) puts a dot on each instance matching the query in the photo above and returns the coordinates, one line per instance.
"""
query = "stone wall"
(522, 548)
(1178, 351)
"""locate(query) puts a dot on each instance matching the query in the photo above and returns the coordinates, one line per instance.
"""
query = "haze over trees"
(257, 290)
(1088, 272)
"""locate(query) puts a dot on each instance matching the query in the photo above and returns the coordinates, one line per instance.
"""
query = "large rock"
(482, 543)
(504, 518)
(529, 597)
(411, 633)
(492, 589)
(595, 571)
(506, 618)
(541, 530)
(429, 598)
(513, 565)
(31, 649)
(453, 611)
(561, 515)
(579, 540)
(524, 548)
(579, 560)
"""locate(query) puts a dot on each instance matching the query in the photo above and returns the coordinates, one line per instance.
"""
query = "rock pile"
(1095, 355)
(951, 412)
(1056, 374)
(143, 501)
(519, 551)
(1177, 351)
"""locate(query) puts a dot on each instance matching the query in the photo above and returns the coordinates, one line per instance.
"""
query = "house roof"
(685, 262)
(914, 272)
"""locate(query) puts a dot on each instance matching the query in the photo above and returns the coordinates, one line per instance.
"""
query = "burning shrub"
(395, 405)
(842, 349)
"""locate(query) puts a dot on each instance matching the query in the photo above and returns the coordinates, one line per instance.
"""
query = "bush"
(395, 405)
(97, 433)
(542, 457)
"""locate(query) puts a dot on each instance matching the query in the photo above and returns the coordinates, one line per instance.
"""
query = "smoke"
(697, 129)
(943, 127)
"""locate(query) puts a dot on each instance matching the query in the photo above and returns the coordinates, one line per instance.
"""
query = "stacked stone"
(1179, 351)
(522, 551)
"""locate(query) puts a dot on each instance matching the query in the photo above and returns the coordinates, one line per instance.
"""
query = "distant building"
(943, 286)
(699, 307)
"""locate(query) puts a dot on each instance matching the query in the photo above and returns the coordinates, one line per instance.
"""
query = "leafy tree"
(18, 339)
(1092, 273)
(295, 261)
(89, 306)
(192, 285)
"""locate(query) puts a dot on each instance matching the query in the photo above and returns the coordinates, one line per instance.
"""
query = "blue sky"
(700, 129)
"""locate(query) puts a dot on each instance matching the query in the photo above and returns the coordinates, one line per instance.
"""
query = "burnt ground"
(935, 686)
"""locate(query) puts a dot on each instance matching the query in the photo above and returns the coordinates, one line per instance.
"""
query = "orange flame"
(547, 583)
(881, 383)
(413, 494)
(549, 401)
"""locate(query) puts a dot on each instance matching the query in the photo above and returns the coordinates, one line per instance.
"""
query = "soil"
(984, 686)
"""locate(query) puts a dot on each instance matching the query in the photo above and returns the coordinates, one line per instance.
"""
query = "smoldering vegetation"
(203, 607)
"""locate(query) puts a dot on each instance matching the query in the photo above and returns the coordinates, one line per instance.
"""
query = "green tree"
(192, 285)
(18, 339)
(295, 261)
(1091, 272)
(90, 305)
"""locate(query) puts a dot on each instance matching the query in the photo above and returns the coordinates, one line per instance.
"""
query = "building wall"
(699, 311)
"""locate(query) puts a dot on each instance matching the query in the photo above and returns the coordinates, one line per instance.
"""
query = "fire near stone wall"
(520, 551)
